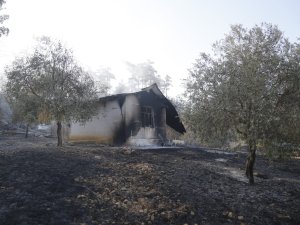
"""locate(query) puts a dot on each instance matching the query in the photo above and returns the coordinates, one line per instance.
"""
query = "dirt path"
(40, 184)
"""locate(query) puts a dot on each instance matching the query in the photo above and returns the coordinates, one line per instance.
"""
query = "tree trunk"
(250, 162)
(59, 134)
(26, 131)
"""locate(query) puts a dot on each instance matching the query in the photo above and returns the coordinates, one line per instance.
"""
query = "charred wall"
(136, 131)
(121, 120)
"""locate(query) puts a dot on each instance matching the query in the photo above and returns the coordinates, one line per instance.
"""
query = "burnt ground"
(88, 184)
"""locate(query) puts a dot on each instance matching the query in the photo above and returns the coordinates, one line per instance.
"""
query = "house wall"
(101, 128)
(119, 122)
(156, 132)
(139, 135)
(132, 111)
(134, 132)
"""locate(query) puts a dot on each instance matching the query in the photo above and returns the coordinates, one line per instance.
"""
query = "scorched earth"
(90, 184)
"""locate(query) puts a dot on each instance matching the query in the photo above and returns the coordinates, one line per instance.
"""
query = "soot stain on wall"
(130, 105)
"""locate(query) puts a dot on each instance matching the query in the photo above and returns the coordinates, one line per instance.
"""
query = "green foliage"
(25, 109)
(3, 30)
(248, 88)
(49, 81)
(279, 151)
(287, 125)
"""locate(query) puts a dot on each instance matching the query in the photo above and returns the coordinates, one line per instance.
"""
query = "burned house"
(142, 118)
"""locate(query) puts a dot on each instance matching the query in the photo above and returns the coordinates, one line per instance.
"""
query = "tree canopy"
(239, 88)
(103, 78)
(144, 74)
(61, 89)
(3, 30)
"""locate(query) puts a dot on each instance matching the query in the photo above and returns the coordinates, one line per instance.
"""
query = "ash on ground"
(90, 184)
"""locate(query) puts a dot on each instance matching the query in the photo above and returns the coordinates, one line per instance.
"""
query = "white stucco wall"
(131, 109)
(100, 128)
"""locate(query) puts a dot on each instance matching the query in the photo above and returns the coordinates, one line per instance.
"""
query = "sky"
(108, 33)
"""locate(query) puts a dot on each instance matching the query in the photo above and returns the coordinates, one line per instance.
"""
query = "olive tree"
(288, 125)
(63, 90)
(236, 89)
(25, 109)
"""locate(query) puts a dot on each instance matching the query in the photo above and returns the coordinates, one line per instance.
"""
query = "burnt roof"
(152, 95)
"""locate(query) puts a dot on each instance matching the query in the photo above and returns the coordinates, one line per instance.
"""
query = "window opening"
(147, 117)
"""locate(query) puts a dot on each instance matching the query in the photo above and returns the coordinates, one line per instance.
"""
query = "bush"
(281, 151)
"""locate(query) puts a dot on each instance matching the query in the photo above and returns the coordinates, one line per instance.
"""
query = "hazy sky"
(107, 33)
